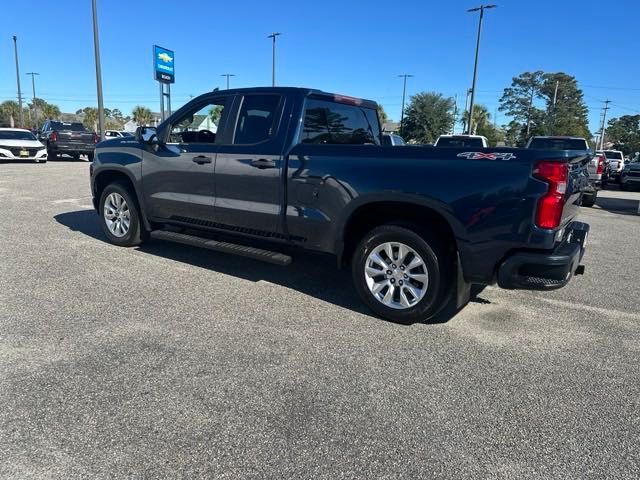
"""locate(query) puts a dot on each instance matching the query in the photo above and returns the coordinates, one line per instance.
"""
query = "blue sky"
(354, 47)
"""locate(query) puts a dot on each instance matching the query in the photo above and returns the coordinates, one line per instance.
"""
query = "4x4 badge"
(486, 156)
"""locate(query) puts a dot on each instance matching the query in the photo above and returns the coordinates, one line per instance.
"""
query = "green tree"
(624, 132)
(117, 115)
(89, 117)
(518, 100)
(428, 115)
(569, 116)
(382, 115)
(49, 112)
(9, 113)
(141, 115)
(215, 113)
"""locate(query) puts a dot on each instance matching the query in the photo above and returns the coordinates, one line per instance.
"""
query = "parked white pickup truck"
(466, 141)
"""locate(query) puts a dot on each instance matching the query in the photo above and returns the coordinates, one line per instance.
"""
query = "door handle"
(263, 163)
(201, 159)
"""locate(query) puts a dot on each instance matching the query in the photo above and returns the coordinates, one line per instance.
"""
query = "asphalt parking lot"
(167, 361)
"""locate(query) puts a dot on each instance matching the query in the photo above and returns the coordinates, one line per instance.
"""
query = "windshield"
(613, 155)
(459, 142)
(74, 127)
(559, 144)
(16, 135)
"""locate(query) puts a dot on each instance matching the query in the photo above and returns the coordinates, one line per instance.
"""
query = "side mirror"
(148, 135)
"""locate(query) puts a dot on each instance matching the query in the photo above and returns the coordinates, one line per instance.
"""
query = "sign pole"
(168, 99)
(161, 100)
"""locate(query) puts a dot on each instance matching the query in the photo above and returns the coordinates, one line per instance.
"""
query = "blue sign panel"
(163, 64)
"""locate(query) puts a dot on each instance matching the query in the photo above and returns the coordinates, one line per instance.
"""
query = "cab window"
(202, 124)
(335, 123)
(257, 119)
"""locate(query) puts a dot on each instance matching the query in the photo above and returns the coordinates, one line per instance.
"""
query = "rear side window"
(335, 123)
(70, 126)
(257, 119)
(613, 155)
(465, 142)
(559, 144)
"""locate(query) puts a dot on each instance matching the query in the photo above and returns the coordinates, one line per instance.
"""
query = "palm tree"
(481, 118)
(141, 115)
(10, 110)
(50, 112)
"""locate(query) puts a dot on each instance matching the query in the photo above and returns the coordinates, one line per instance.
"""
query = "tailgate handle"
(201, 159)
(263, 163)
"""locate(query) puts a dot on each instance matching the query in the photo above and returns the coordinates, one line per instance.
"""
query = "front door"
(178, 175)
(249, 168)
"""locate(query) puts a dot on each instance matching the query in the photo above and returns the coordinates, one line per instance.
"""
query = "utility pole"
(481, 9)
(529, 111)
(96, 48)
(21, 113)
(464, 114)
(604, 122)
(555, 98)
(35, 106)
(273, 57)
(404, 77)
(455, 114)
(227, 75)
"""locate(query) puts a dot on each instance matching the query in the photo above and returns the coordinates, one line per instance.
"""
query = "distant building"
(390, 127)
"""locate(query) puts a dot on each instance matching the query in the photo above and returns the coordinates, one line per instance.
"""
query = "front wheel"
(119, 216)
(400, 274)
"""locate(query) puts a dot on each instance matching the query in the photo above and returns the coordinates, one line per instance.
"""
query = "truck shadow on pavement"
(622, 206)
(312, 274)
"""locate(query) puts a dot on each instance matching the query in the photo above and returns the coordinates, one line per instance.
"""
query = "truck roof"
(334, 97)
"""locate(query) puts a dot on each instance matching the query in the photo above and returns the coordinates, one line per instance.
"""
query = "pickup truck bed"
(305, 168)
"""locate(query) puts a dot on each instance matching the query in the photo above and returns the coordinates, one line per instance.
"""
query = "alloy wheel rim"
(117, 215)
(396, 275)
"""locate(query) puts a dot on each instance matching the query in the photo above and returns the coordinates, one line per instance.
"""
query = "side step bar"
(225, 247)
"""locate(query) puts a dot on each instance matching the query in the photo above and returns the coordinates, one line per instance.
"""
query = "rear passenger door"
(248, 170)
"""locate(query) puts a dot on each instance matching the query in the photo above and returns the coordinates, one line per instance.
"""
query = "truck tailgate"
(69, 136)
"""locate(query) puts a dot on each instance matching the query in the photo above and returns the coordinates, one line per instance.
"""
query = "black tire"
(437, 263)
(76, 156)
(51, 155)
(624, 187)
(90, 156)
(136, 233)
(589, 201)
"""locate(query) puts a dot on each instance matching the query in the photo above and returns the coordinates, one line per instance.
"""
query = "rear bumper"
(71, 147)
(546, 270)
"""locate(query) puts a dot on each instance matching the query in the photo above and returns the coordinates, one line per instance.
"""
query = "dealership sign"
(163, 64)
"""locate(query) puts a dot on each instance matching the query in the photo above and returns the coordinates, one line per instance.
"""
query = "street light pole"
(35, 106)
(404, 77)
(481, 8)
(96, 47)
(20, 113)
(273, 57)
(227, 75)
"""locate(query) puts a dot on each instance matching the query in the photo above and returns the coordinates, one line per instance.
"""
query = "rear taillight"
(96, 138)
(600, 168)
(550, 206)
(54, 136)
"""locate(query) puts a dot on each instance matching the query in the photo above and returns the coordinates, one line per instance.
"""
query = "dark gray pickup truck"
(292, 167)
(71, 138)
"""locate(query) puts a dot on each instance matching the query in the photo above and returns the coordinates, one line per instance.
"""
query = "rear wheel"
(401, 274)
(590, 200)
(90, 156)
(120, 217)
